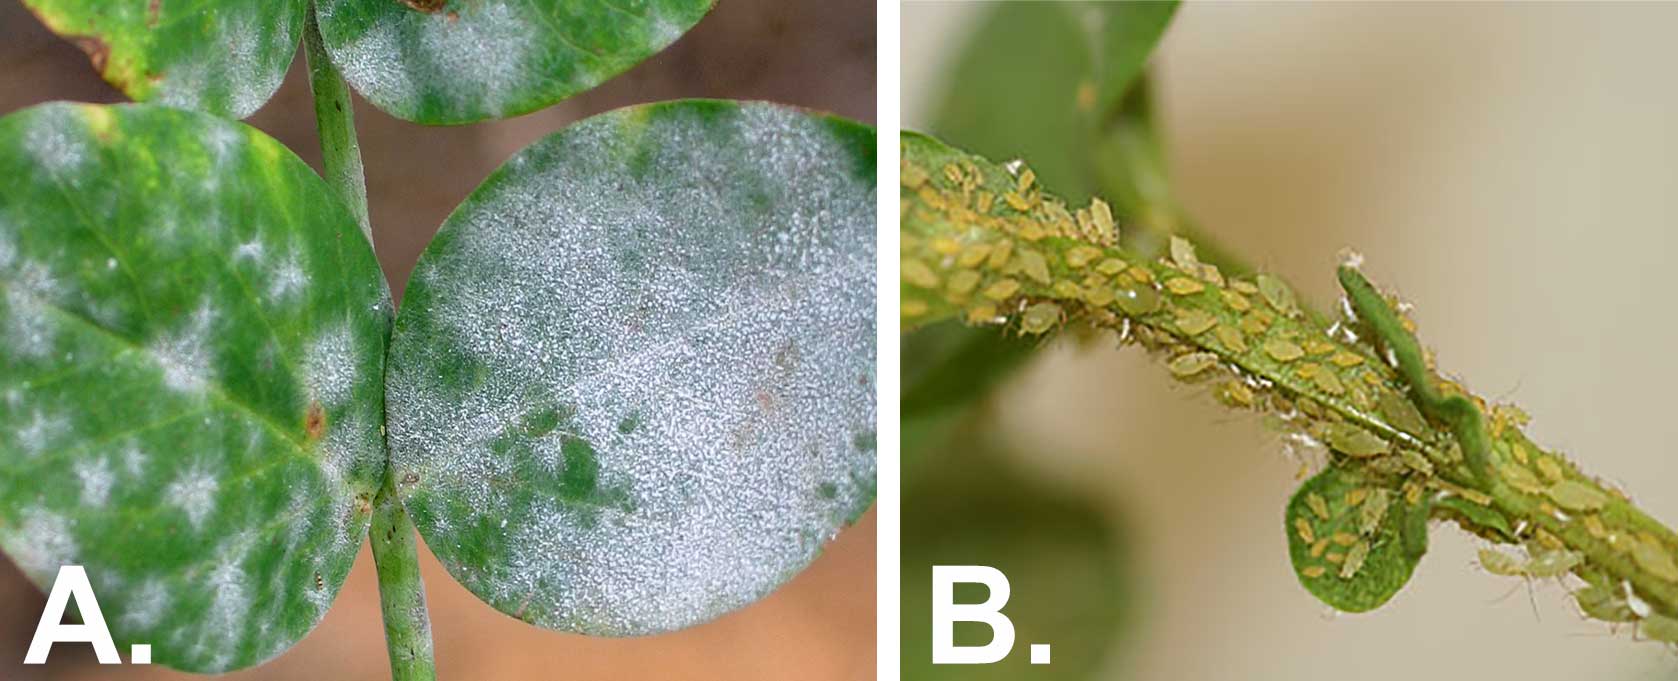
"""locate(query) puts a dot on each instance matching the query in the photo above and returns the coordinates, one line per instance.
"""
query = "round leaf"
(460, 61)
(1344, 511)
(222, 57)
(632, 383)
(191, 389)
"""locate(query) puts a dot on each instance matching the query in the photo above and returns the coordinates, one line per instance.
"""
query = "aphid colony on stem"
(985, 244)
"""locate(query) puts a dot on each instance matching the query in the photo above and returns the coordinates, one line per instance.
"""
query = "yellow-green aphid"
(1098, 295)
(1353, 441)
(1356, 496)
(1346, 360)
(1344, 539)
(973, 255)
(1182, 253)
(1317, 504)
(1137, 300)
(1521, 478)
(1603, 602)
(914, 308)
(1276, 292)
(1654, 559)
(1026, 178)
(911, 174)
(1416, 461)
(1354, 560)
(1002, 290)
(1236, 393)
(1080, 256)
(1314, 571)
(1102, 215)
(1192, 363)
(1303, 527)
(1282, 350)
(1574, 495)
(1184, 286)
(1231, 338)
(1033, 265)
(1040, 317)
(963, 282)
(983, 313)
(1195, 322)
(1318, 548)
(1110, 266)
(1328, 382)
(999, 254)
(1500, 563)
(1373, 511)
(918, 274)
(1066, 289)
(1551, 470)
(1658, 627)
(1236, 301)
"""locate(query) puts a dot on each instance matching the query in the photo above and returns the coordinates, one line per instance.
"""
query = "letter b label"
(946, 612)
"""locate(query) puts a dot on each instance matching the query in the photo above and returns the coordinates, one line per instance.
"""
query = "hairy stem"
(335, 121)
(401, 593)
(392, 534)
(982, 243)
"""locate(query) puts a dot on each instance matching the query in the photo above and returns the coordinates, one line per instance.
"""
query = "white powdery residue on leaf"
(250, 250)
(717, 357)
(96, 480)
(146, 608)
(57, 140)
(223, 141)
(194, 492)
(134, 460)
(8, 246)
(230, 601)
(182, 86)
(252, 74)
(41, 542)
(330, 366)
(287, 280)
(478, 60)
(43, 432)
(186, 356)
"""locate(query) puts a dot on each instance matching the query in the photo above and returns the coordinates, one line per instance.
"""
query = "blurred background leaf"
(1056, 546)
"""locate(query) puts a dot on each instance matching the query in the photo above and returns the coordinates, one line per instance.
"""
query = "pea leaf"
(1129, 32)
(1013, 93)
(632, 383)
(220, 56)
(192, 384)
(1331, 519)
(460, 61)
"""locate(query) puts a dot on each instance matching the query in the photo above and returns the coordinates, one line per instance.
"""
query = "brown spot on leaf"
(319, 582)
(427, 6)
(97, 51)
(314, 421)
(153, 9)
(410, 478)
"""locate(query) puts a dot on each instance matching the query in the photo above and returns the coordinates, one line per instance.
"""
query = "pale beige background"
(1514, 170)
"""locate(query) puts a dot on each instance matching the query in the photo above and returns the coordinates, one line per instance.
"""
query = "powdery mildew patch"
(689, 301)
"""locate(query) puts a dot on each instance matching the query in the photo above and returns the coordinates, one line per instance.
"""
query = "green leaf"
(460, 61)
(191, 395)
(632, 383)
(1066, 563)
(223, 57)
(1339, 506)
(1130, 30)
(1013, 93)
(947, 367)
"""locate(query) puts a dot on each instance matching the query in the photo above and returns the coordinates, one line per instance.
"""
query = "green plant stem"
(335, 121)
(393, 537)
(981, 243)
(401, 593)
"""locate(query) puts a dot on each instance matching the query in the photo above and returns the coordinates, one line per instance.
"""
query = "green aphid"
(1195, 322)
(1277, 293)
(1401, 413)
(1192, 363)
(1137, 300)
(1574, 495)
(1658, 627)
(1603, 602)
(1551, 470)
(963, 282)
(1182, 253)
(1231, 338)
(1081, 256)
(1654, 559)
(1373, 511)
(1066, 289)
(919, 274)
(1354, 441)
(1040, 318)
(1354, 560)
(1283, 350)
(912, 175)
(1553, 563)
(1110, 266)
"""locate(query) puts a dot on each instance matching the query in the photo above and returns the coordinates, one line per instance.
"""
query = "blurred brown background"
(1513, 169)
(818, 54)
